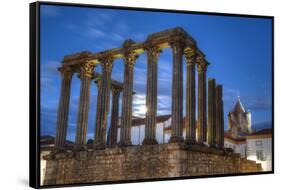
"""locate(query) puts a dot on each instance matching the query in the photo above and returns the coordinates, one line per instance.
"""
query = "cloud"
(252, 103)
(122, 27)
(49, 75)
(95, 33)
(257, 103)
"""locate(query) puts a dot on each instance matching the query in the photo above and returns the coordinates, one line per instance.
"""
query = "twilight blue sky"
(238, 48)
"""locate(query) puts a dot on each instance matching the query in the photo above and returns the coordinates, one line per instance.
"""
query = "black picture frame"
(34, 93)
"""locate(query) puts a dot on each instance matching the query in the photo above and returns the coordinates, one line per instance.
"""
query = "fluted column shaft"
(85, 76)
(211, 112)
(63, 108)
(126, 118)
(98, 105)
(177, 46)
(190, 96)
(112, 134)
(219, 118)
(151, 95)
(103, 106)
(202, 128)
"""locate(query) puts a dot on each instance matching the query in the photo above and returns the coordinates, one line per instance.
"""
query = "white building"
(138, 129)
(242, 139)
(259, 148)
(163, 129)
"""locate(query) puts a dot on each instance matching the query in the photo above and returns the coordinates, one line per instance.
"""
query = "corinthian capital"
(66, 72)
(153, 51)
(106, 63)
(116, 89)
(130, 58)
(190, 55)
(201, 64)
(177, 43)
(87, 69)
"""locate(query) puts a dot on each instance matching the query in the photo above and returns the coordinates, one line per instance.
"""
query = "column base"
(190, 141)
(214, 146)
(148, 141)
(99, 146)
(78, 148)
(221, 147)
(125, 143)
(59, 150)
(176, 139)
(112, 145)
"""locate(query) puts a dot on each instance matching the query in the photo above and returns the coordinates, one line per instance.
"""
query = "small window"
(258, 143)
(260, 155)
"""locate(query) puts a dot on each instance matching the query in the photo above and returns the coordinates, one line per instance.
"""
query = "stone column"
(151, 94)
(63, 109)
(112, 134)
(98, 105)
(86, 72)
(103, 105)
(190, 56)
(126, 118)
(202, 129)
(219, 118)
(177, 45)
(211, 112)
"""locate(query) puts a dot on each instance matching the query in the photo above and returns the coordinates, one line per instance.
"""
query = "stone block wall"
(142, 162)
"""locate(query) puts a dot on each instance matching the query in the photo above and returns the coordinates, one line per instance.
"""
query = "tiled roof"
(50, 140)
(227, 135)
(168, 128)
(262, 132)
(239, 108)
(141, 121)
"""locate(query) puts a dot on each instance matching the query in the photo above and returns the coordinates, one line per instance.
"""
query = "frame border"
(34, 91)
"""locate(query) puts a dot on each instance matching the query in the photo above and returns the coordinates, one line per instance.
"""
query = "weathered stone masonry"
(143, 162)
(112, 160)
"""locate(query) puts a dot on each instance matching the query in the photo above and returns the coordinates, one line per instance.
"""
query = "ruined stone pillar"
(190, 56)
(112, 133)
(211, 112)
(126, 116)
(202, 129)
(85, 75)
(63, 108)
(103, 105)
(97, 129)
(177, 45)
(219, 118)
(151, 94)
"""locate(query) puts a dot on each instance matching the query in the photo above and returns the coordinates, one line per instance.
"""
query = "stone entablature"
(143, 162)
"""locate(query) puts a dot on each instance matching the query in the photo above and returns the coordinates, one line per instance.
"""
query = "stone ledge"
(135, 148)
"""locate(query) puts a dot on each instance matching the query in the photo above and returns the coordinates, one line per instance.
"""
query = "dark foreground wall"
(142, 162)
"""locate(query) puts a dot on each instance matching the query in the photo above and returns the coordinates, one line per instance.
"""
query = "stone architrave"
(202, 128)
(219, 118)
(127, 98)
(190, 56)
(112, 133)
(177, 44)
(103, 105)
(151, 94)
(85, 75)
(211, 112)
(63, 109)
